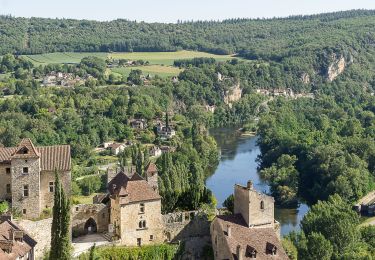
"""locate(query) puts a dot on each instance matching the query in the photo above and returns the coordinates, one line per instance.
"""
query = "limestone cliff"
(336, 67)
(233, 94)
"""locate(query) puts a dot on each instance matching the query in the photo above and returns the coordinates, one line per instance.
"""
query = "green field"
(160, 62)
(62, 57)
(162, 71)
(160, 58)
(167, 58)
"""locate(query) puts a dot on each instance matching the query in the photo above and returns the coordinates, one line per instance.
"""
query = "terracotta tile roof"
(249, 239)
(131, 190)
(51, 157)
(26, 149)
(18, 248)
(55, 157)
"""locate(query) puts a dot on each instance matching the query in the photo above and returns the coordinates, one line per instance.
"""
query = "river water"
(238, 165)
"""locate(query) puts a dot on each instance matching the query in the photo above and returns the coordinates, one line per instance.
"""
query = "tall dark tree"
(60, 231)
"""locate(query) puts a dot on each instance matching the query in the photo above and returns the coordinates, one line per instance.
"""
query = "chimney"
(239, 252)
(229, 231)
(250, 185)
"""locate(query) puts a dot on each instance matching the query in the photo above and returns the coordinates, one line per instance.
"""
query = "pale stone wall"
(219, 246)
(241, 202)
(40, 231)
(31, 203)
(152, 179)
(130, 218)
(83, 212)
(5, 179)
(247, 202)
(115, 217)
(184, 225)
(45, 178)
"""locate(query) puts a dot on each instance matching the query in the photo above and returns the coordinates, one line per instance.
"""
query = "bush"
(164, 251)
(4, 207)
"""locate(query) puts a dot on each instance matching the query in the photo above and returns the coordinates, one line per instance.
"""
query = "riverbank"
(238, 164)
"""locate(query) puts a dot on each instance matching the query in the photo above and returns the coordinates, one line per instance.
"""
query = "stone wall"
(256, 208)
(5, 178)
(40, 231)
(31, 203)
(46, 196)
(185, 225)
(131, 216)
(83, 212)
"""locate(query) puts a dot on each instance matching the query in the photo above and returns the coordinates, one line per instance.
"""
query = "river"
(238, 165)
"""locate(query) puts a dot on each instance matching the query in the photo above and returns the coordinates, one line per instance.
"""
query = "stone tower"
(25, 165)
(152, 176)
(256, 208)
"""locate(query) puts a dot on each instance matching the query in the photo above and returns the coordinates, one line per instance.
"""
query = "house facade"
(135, 211)
(27, 176)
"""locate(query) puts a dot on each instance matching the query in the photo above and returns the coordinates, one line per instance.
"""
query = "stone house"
(155, 151)
(152, 176)
(27, 177)
(165, 132)
(135, 211)
(15, 243)
(117, 148)
(251, 232)
(138, 124)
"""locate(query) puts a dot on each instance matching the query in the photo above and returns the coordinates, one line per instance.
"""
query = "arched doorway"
(90, 226)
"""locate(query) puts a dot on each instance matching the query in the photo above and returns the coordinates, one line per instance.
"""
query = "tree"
(283, 178)
(60, 230)
(318, 247)
(135, 77)
(229, 203)
(335, 221)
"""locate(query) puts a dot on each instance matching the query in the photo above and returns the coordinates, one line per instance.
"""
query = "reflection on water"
(238, 165)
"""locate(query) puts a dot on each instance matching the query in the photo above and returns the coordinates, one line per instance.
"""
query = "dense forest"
(307, 40)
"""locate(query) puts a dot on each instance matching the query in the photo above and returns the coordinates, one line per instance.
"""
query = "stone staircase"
(107, 236)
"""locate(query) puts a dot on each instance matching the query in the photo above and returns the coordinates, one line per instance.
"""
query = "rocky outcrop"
(336, 67)
(233, 94)
(305, 78)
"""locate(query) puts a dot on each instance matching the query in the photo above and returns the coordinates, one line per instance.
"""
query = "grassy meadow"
(167, 58)
(160, 62)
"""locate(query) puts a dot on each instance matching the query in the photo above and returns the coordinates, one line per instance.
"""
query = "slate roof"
(19, 249)
(250, 238)
(132, 190)
(51, 157)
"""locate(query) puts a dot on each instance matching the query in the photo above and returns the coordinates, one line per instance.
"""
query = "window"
(77, 208)
(142, 208)
(51, 186)
(142, 224)
(262, 204)
(8, 189)
(24, 211)
(151, 237)
(26, 190)
(25, 170)
(139, 241)
(7, 170)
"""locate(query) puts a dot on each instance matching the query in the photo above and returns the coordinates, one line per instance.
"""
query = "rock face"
(233, 94)
(336, 67)
(305, 78)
